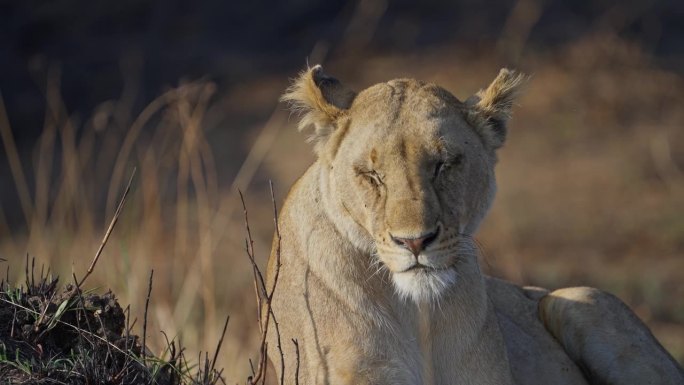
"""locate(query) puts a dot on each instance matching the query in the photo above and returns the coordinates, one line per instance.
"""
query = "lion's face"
(409, 175)
(418, 179)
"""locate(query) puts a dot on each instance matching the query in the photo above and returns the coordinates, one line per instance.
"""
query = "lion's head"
(407, 170)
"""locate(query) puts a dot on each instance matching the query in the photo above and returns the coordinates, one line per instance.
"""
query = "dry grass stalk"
(264, 301)
(115, 219)
(147, 305)
(15, 162)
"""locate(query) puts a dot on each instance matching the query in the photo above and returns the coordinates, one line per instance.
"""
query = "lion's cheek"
(372, 215)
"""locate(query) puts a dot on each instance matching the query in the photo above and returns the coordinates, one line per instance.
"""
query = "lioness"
(380, 282)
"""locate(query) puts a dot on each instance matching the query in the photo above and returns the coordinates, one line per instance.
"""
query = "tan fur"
(307, 98)
(494, 104)
(401, 161)
(593, 324)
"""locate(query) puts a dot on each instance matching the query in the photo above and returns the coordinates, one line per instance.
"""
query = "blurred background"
(591, 180)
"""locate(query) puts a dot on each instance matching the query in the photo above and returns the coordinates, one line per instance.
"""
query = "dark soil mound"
(53, 336)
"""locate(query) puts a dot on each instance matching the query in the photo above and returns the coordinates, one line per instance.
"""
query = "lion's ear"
(490, 109)
(321, 100)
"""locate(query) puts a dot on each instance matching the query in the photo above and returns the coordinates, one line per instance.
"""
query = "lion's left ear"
(321, 100)
(490, 109)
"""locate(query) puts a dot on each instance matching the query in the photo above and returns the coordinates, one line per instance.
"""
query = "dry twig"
(264, 300)
(220, 342)
(147, 304)
(259, 283)
(115, 219)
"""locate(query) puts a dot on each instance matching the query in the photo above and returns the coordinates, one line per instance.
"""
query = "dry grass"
(174, 221)
(591, 188)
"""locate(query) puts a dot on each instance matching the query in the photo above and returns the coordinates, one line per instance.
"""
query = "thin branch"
(127, 312)
(104, 335)
(275, 280)
(109, 229)
(26, 272)
(264, 358)
(277, 233)
(258, 279)
(250, 251)
(280, 346)
(147, 304)
(218, 346)
(267, 296)
(251, 367)
(81, 303)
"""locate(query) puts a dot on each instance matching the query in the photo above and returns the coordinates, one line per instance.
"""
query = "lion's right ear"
(321, 100)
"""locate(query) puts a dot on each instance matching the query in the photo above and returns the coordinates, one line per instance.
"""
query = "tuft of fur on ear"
(321, 101)
(490, 109)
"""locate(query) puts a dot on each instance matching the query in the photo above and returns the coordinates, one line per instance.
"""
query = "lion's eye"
(372, 177)
(439, 167)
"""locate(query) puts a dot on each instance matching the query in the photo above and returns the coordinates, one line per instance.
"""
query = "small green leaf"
(58, 314)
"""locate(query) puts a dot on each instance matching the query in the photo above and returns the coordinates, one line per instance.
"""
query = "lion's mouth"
(423, 268)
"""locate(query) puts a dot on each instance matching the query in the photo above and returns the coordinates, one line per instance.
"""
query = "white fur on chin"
(423, 286)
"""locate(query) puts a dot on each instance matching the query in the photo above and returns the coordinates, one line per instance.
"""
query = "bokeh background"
(591, 180)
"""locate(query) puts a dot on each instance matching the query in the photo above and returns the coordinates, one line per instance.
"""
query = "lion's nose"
(418, 244)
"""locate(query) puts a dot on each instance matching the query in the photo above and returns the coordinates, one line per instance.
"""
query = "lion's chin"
(423, 285)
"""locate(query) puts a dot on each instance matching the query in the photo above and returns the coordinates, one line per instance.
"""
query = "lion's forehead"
(407, 148)
(416, 140)
(407, 100)
(405, 120)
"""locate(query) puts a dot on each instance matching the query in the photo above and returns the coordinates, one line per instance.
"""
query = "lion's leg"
(606, 338)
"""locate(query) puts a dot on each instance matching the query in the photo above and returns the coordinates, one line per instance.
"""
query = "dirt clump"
(67, 336)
